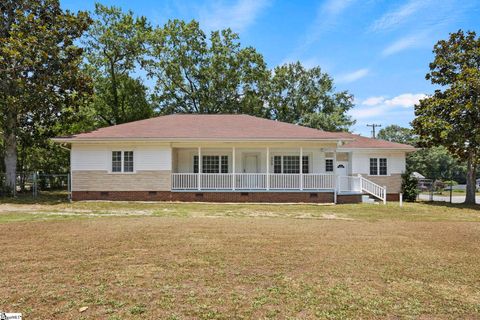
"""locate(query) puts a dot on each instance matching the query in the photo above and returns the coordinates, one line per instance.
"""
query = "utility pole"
(373, 125)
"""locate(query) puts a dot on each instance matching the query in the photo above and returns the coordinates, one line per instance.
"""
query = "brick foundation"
(272, 197)
(349, 198)
(307, 197)
(393, 196)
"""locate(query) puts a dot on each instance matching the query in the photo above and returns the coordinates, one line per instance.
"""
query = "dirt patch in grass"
(151, 267)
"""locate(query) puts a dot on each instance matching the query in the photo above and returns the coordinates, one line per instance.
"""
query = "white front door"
(250, 163)
(342, 168)
(342, 171)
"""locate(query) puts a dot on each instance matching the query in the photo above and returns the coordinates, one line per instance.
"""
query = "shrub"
(409, 186)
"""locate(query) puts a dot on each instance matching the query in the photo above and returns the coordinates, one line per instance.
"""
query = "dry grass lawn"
(199, 261)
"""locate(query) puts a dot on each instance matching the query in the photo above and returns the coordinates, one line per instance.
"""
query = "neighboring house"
(231, 158)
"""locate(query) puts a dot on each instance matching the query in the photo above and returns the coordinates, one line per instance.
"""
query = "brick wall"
(349, 198)
(392, 182)
(88, 180)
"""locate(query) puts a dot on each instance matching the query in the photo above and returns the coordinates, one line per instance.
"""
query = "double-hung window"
(290, 164)
(122, 161)
(378, 167)
(211, 164)
(328, 165)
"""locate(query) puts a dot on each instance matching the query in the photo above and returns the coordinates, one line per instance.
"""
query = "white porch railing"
(349, 184)
(318, 181)
(284, 181)
(373, 189)
(252, 181)
(215, 181)
(263, 181)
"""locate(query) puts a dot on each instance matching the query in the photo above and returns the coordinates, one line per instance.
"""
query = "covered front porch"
(276, 168)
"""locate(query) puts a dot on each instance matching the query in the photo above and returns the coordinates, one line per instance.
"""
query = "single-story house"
(231, 158)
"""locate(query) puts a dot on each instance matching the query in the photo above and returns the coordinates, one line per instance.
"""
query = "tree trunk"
(471, 181)
(10, 141)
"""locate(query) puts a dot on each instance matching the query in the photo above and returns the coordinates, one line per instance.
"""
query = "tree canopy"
(306, 96)
(199, 74)
(450, 117)
(41, 81)
(115, 48)
(396, 133)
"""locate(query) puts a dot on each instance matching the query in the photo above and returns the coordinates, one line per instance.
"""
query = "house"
(231, 158)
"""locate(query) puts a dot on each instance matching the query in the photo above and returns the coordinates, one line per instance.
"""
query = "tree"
(131, 96)
(115, 48)
(395, 133)
(436, 163)
(306, 96)
(198, 75)
(409, 186)
(450, 117)
(41, 79)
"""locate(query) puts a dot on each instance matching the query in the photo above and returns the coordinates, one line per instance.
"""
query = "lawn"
(222, 261)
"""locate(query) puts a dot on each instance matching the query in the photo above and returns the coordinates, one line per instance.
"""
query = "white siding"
(361, 161)
(90, 157)
(99, 157)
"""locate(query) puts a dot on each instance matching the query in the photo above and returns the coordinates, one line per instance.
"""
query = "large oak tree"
(40, 76)
(451, 116)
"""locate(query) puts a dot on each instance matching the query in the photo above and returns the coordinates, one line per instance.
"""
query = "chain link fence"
(36, 185)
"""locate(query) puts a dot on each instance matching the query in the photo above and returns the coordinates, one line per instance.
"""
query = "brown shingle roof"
(221, 127)
(206, 126)
(366, 143)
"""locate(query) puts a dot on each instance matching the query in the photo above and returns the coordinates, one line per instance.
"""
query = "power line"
(373, 125)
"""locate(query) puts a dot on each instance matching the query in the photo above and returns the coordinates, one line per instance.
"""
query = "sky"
(378, 50)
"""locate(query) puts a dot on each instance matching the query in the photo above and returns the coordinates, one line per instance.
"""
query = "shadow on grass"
(451, 205)
(54, 197)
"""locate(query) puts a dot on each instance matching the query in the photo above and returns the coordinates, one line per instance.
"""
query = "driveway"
(455, 199)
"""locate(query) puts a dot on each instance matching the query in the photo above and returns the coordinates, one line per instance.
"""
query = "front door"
(342, 172)
(342, 168)
(250, 163)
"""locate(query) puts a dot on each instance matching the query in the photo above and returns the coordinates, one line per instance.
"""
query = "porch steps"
(368, 199)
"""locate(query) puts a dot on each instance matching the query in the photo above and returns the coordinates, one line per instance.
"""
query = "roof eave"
(73, 139)
(381, 148)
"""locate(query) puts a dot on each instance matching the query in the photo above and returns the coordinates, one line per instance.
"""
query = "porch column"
(199, 168)
(268, 169)
(337, 177)
(301, 168)
(233, 168)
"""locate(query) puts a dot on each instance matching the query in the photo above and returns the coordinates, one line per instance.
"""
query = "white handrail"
(373, 189)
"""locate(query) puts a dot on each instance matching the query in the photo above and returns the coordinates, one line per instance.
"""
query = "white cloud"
(238, 16)
(328, 15)
(405, 100)
(378, 107)
(335, 7)
(365, 113)
(372, 101)
(393, 19)
(353, 76)
(411, 41)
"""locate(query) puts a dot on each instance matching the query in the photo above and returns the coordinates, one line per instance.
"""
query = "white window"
(378, 167)
(328, 165)
(290, 164)
(116, 161)
(128, 161)
(211, 164)
(122, 161)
